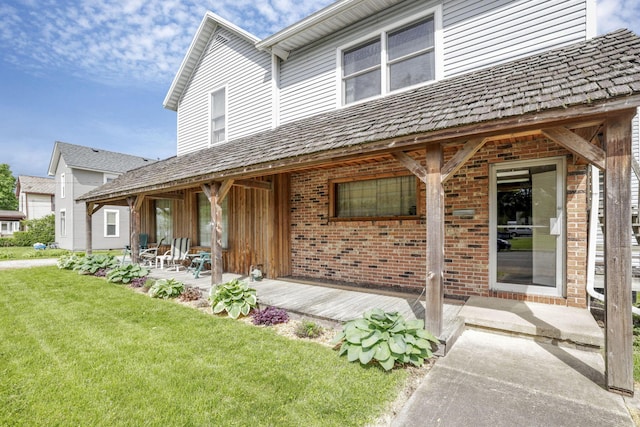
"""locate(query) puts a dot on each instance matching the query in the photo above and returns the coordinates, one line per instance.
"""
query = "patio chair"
(143, 240)
(177, 254)
(149, 256)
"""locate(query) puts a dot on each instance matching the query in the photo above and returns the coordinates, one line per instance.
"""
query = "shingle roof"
(36, 184)
(81, 157)
(585, 73)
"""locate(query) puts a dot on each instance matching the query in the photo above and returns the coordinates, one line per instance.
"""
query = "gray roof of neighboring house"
(94, 159)
(35, 185)
(589, 73)
(11, 215)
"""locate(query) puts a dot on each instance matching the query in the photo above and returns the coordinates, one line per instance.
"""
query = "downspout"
(593, 232)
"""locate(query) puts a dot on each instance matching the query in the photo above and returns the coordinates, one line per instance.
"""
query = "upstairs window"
(392, 61)
(386, 197)
(218, 112)
(62, 186)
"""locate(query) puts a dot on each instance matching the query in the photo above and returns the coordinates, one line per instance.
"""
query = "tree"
(8, 199)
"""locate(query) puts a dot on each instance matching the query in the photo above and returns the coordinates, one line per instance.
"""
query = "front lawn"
(76, 350)
(27, 252)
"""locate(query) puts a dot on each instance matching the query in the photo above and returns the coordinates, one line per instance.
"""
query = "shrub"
(36, 230)
(308, 329)
(190, 294)
(166, 288)
(6, 242)
(126, 273)
(386, 338)
(234, 297)
(90, 264)
(270, 316)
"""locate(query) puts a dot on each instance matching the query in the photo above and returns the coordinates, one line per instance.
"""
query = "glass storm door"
(527, 207)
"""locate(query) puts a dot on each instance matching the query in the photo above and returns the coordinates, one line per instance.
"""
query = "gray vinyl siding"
(246, 73)
(475, 35)
(481, 34)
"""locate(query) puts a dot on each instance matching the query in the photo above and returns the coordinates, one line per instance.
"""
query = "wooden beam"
(617, 256)
(224, 189)
(577, 145)
(170, 196)
(249, 183)
(95, 207)
(435, 241)
(411, 164)
(460, 158)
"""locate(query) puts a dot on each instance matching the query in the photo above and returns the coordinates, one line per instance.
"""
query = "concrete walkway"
(495, 380)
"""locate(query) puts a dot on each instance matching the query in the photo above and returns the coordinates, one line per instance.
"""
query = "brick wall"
(392, 253)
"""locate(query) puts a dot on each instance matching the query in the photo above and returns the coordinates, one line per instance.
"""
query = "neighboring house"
(36, 196)
(78, 169)
(390, 143)
(10, 222)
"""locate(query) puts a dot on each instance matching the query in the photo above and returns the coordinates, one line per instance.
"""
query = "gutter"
(593, 232)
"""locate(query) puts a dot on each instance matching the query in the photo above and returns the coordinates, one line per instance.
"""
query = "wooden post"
(435, 241)
(89, 241)
(134, 226)
(212, 192)
(617, 256)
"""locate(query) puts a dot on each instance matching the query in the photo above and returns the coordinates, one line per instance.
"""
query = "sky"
(95, 72)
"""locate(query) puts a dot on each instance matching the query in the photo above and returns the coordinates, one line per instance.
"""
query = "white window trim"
(63, 232)
(108, 176)
(63, 189)
(436, 12)
(106, 217)
(226, 114)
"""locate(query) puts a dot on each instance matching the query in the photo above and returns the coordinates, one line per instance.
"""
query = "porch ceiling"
(578, 85)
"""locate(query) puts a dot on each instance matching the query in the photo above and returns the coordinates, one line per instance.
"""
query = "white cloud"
(126, 41)
(616, 14)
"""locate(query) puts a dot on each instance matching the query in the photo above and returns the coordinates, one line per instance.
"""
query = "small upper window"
(380, 197)
(62, 186)
(218, 116)
(394, 60)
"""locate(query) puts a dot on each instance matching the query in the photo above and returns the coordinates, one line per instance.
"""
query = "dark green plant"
(126, 273)
(308, 329)
(234, 297)
(90, 264)
(166, 288)
(386, 338)
(41, 230)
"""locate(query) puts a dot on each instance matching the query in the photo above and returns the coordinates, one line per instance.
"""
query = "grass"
(27, 252)
(77, 350)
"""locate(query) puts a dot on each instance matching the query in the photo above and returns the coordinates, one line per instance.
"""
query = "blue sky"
(95, 72)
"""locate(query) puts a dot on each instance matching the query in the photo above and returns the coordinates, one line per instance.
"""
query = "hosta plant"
(90, 264)
(166, 288)
(69, 262)
(385, 338)
(126, 273)
(269, 316)
(235, 297)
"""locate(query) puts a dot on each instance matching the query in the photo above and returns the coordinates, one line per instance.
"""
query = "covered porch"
(432, 133)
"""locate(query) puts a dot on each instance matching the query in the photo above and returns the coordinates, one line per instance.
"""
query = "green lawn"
(76, 350)
(28, 253)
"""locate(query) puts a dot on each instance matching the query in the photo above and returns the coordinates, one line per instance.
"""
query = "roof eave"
(209, 23)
